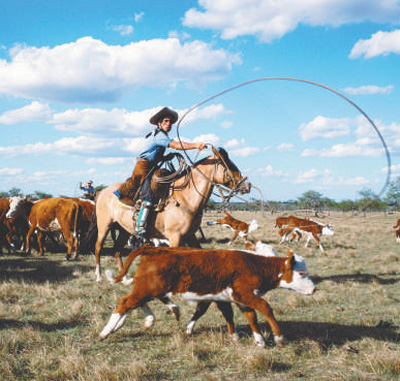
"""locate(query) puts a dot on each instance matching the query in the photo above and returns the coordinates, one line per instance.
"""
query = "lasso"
(387, 181)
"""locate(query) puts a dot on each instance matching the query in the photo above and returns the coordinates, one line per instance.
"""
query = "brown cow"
(210, 275)
(397, 224)
(285, 232)
(238, 227)
(56, 214)
(311, 229)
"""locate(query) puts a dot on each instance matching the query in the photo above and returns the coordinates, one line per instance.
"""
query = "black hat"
(162, 114)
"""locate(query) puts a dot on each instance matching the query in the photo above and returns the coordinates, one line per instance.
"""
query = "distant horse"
(182, 215)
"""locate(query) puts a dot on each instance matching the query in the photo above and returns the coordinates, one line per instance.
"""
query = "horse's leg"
(118, 247)
(192, 241)
(101, 236)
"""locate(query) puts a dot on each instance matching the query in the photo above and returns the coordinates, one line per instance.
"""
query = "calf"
(239, 228)
(311, 229)
(284, 232)
(211, 275)
(397, 224)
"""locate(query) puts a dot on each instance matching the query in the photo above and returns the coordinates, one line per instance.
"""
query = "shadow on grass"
(9, 323)
(39, 269)
(326, 334)
(361, 278)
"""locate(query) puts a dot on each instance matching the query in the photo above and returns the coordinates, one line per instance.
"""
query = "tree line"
(311, 200)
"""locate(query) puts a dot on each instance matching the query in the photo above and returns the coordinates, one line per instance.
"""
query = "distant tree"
(39, 194)
(4, 194)
(346, 206)
(393, 194)
(15, 192)
(370, 201)
(311, 200)
(100, 187)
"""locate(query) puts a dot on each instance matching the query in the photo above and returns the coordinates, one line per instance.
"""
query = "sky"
(295, 91)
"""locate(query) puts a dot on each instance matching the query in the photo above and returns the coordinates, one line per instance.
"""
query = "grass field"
(51, 312)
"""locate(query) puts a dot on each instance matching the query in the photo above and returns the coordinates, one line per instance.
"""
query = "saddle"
(160, 190)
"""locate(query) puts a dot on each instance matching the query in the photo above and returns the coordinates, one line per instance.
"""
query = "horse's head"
(228, 173)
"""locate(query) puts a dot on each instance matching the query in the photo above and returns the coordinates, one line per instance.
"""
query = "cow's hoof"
(279, 341)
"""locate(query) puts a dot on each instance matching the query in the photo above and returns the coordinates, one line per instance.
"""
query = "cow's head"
(295, 276)
(328, 230)
(16, 206)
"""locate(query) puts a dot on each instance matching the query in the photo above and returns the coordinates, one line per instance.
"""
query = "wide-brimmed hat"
(89, 182)
(162, 114)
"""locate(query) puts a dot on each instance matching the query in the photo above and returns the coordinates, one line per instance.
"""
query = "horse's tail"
(89, 239)
(131, 257)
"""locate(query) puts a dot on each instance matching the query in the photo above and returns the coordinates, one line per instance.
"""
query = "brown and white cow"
(397, 224)
(13, 221)
(238, 227)
(229, 276)
(310, 228)
(285, 232)
(56, 214)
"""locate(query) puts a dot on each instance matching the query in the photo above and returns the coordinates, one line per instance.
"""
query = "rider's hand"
(201, 146)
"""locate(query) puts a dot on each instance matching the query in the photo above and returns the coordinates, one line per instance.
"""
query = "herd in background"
(204, 276)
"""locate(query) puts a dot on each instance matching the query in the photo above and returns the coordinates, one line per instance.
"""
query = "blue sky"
(80, 79)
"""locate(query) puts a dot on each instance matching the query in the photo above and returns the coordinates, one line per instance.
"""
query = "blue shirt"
(156, 143)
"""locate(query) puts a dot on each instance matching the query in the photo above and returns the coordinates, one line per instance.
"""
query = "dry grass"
(51, 312)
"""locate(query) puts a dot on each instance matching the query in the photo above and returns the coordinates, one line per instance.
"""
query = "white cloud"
(368, 90)
(285, 147)
(89, 70)
(270, 19)
(108, 160)
(244, 151)
(344, 150)
(138, 16)
(33, 112)
(123, 30)
(10, 171)
(380, 43)
(80, 146)
(327, 128)
(226, 124)
(269, 171)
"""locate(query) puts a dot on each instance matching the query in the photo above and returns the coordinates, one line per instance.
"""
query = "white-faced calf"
(211, 275)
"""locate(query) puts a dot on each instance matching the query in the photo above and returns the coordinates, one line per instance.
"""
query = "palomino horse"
(182, 214)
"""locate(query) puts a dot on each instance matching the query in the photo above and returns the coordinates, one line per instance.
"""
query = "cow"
(284, 232)
(13, 221)
(310, 228)
(397, 224)
(229, 276)
(260, 248)
(238, 227)
(56, 214)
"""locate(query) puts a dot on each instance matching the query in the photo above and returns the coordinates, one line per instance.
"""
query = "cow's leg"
(27, 239)
(318, 242)
(172, 306)
(227, 312)
(254, 302)
(201, 309)
(251, 317)
(40, 238)
(126, 304)
(70, 242)
(308, 240)
(150, 318)
(235, 234)
(11, 246)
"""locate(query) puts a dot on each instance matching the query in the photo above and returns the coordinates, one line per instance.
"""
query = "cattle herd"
(234, 276)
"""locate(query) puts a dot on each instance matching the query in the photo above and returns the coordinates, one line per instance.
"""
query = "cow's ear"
(291, 261)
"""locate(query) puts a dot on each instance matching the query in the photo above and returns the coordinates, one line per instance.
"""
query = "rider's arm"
(177, 145)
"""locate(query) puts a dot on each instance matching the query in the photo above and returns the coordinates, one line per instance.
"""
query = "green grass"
(51, 312)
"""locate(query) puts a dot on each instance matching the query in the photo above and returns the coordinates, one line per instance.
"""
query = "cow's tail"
(89, 239)
(127, 264)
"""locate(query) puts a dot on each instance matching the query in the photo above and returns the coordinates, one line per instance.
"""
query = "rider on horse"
(156, 143)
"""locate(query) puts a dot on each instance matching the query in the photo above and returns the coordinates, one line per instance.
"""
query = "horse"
(182, 214)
